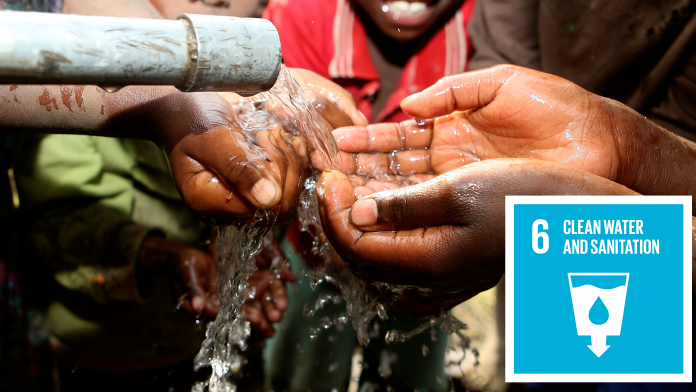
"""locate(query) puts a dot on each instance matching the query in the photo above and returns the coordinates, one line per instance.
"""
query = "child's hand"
(193, 273)
(270, 298)
(222, 172)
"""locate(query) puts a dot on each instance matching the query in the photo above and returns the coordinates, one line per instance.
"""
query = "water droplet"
(599, 314)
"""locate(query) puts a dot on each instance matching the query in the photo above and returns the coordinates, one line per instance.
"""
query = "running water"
(226, 338)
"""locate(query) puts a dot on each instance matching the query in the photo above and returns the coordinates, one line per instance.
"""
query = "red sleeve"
(306, 32)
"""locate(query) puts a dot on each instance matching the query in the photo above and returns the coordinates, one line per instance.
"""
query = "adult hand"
(193, 273)
(446, 234)
(512, 112)
(270, 297)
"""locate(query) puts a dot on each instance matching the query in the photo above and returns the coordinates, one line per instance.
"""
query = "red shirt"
(325, 36)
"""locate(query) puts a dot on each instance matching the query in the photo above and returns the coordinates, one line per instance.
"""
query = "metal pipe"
(193, 53)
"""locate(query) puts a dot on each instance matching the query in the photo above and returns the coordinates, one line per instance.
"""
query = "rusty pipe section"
(193, 53)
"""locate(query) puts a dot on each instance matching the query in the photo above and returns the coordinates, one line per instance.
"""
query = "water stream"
(226, 337)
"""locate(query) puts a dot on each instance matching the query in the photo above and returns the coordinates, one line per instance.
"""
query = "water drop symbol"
(599, 314)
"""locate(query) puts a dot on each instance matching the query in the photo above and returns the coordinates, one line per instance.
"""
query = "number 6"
(536, 235)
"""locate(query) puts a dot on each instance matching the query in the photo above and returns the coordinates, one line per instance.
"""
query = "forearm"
(653, 161)
(81, 109)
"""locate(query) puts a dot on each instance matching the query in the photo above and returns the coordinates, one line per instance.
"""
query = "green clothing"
(296, 363)
(90, 201)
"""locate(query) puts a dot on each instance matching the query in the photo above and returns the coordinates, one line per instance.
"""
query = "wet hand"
(270, 297)
(446, 234)
(500, 112)
(334, 104)
(222, 172)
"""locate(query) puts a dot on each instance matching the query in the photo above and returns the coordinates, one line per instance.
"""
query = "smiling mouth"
(408, 9)
(407, 14)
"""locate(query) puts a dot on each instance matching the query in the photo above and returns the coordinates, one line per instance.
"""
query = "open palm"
(514, 113)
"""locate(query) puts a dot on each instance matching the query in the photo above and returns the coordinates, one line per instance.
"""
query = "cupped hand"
(270, 298)
(500, 112)
(445, 234)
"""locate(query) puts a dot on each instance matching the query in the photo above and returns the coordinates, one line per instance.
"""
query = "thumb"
(469, 90)
(335, 194)
(431, 203)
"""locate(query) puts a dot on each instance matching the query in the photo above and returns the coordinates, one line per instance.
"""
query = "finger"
(335, 198)
(227, 178)
(259, 281)
(385, 137)
(330, 112)
(295, 172)
(469, 90)
(280, 295)
(241, 165)
(421, 205)
(311, 81)
(257, 319)
(272, 314)
(264, 325)
(395, 163)
(287, 274)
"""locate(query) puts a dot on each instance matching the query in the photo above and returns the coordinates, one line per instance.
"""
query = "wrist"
(653, 160)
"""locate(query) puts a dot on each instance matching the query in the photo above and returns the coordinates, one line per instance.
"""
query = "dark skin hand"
(509, 111)
(446, 234)
(271, 298)
(221, 172)
(194, 278)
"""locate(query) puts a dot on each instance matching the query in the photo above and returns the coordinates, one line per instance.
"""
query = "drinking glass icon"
(598, 304)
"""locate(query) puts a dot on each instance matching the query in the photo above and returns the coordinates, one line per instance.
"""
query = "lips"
(406, 13)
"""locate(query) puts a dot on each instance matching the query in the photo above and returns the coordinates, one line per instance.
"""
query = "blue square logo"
(598, 289)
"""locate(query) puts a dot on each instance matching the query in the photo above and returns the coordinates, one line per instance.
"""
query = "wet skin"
(194, 279)
(222, 173)
(447, 233)
(512, 112)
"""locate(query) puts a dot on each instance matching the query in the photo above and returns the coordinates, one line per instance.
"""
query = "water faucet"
(192, 53)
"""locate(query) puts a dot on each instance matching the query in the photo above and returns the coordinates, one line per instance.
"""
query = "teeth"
(407, 8)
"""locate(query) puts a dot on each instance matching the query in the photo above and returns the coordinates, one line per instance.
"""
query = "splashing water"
(286, 105)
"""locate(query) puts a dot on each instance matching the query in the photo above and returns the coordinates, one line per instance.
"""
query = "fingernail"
(264, 191)
(364, 212)
(197, 304)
